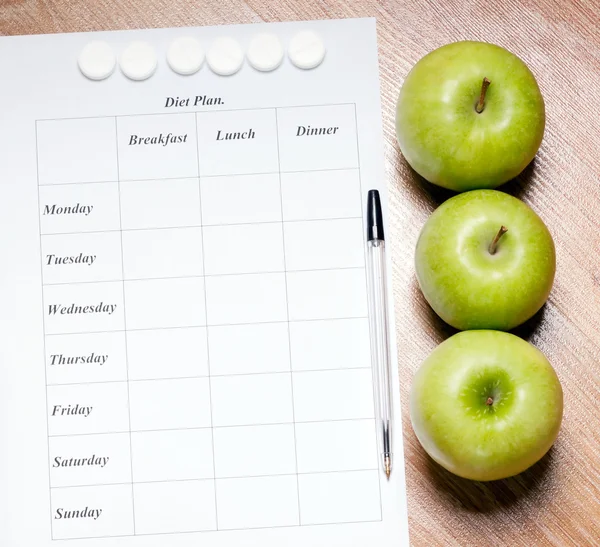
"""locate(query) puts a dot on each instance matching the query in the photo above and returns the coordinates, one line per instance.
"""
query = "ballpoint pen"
(379, 330)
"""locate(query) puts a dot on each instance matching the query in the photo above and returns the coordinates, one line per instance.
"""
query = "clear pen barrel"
(380, 358)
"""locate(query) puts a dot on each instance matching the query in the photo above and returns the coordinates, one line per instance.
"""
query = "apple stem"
(494, 244)
(489, 401)
(481, 104)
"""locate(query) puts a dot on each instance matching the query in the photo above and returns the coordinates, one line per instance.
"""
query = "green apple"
(486, 405)
(470, 115)
(485, 260)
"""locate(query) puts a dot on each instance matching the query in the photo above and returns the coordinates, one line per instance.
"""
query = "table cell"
(330, 344)
(86, 358)
(92, 512)
(157, 146)
(317, 195)
(76, 208)
(162, 253)
(90, 460)
(327, 294)
(242, 199)
(165, 303)
(238, 508)
(237, 142)
(160, 204)
(77, 150)
(336, 498)
(247, 349)
(88, 408)
(333, 395)
(254, 451)
(83, 307)
(167, 353)
(324, 244)
(336, 446)
(244, 248)
(254, 298)
(252, 399)
(172, 455)
(75, 258)
(175, 507)
(317, 138)
(170, 404)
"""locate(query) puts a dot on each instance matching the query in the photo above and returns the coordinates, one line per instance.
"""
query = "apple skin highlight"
(457, 425)
(467, 285)
(440, 131)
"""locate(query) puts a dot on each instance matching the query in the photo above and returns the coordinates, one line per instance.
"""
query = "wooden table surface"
(557, 502)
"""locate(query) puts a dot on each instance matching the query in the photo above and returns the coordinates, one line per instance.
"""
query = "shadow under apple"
(429, 321)
(430, 193)
(438, 329)
(529, 328)
(475, 496)
(487, 497)
(519, 186)
(436, 195)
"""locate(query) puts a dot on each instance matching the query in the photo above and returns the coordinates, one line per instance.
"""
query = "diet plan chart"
(186, 353)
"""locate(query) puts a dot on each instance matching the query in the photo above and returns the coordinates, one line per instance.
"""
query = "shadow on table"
(435, 195)
(529, 328)
(439, 330)
(430, 321)
(486, 497)
(482, 497)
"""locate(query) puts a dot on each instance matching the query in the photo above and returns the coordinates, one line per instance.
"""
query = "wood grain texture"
(557, 502)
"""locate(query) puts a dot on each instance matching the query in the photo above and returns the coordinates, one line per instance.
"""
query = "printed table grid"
(125, 337)
(287, 310)
(92, 485)
(209, 177)
(207, 427)
(210, 396)
(119, 280)
(123, 280)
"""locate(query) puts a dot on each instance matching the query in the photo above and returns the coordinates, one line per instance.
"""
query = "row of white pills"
(185, 55)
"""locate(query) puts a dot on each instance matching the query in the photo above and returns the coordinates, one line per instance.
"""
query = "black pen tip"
(374, 216)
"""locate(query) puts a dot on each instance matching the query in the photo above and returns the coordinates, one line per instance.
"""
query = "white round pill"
(97, 60)
(225, 56)
(138, 61)
(185, 55)
(306, 49)
(265, 52)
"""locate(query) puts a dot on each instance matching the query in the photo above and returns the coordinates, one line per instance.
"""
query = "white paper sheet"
(185, 348)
